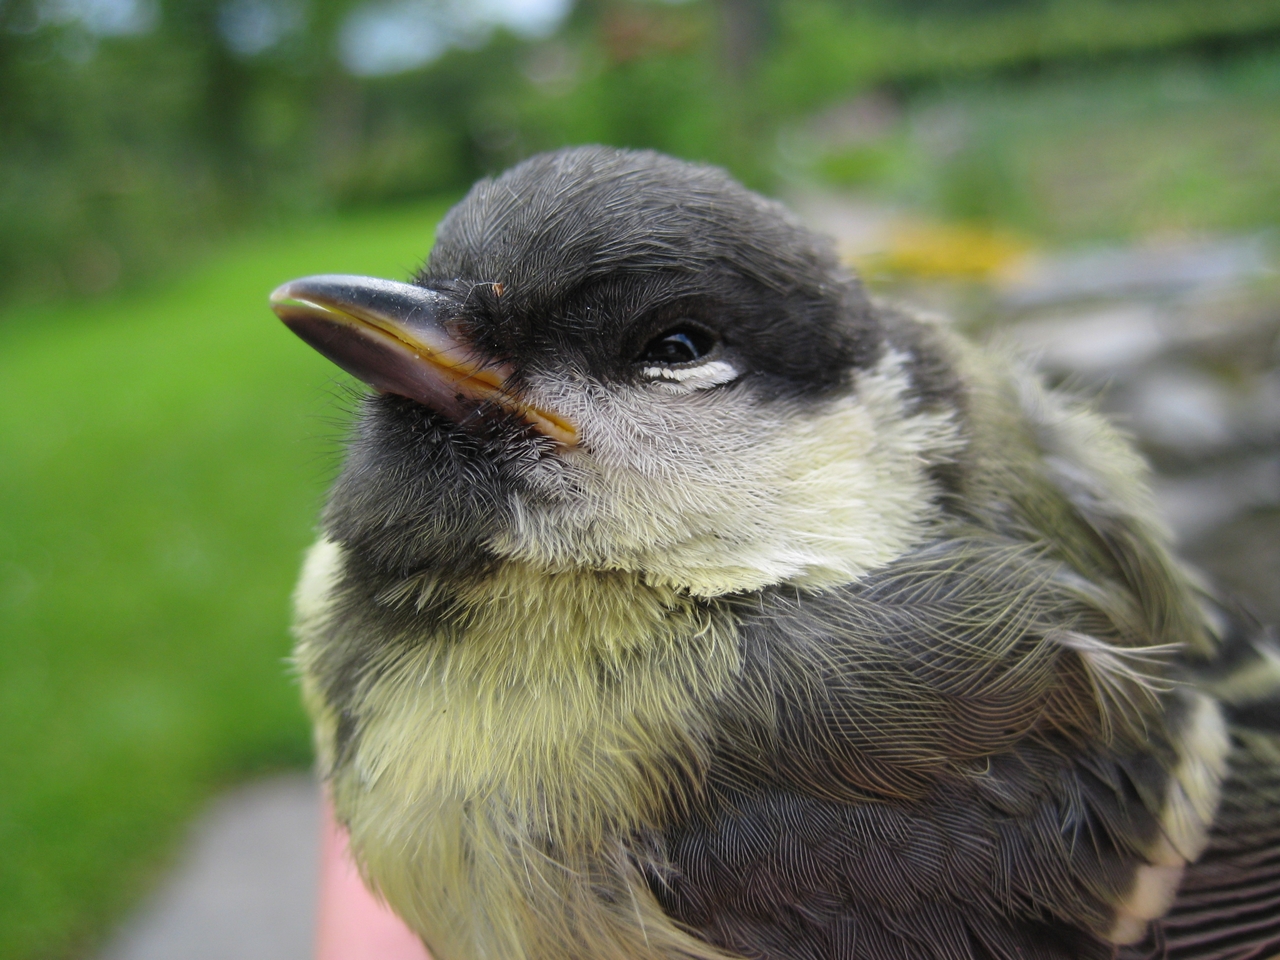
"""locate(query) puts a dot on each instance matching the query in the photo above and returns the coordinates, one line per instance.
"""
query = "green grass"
(164, 456)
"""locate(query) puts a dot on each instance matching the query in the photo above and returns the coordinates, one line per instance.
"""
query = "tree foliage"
(125, 143)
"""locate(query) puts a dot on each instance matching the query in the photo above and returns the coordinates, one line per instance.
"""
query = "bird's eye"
(682, 344)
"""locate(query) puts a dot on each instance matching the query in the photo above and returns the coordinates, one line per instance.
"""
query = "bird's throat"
(583, 686)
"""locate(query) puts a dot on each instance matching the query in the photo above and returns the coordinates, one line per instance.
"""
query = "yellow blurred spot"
(943, 251)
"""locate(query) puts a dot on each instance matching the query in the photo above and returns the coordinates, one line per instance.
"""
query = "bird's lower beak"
(394, 337)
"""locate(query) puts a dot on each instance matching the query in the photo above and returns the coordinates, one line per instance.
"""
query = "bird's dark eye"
(682, 344)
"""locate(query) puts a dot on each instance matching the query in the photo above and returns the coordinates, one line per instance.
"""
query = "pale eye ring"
(695, 376)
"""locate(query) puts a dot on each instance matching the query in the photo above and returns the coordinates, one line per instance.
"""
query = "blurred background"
(1096, 180)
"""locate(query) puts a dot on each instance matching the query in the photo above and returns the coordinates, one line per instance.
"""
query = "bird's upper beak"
(395, 337)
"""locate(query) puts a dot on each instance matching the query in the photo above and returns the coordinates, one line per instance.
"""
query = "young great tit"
(677, 600)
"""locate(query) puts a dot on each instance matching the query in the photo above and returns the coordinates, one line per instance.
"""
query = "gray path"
(246, 887)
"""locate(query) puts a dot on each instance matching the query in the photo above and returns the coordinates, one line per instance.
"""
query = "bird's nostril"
(407, 340)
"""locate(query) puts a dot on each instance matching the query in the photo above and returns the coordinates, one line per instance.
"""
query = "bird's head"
(614, 360)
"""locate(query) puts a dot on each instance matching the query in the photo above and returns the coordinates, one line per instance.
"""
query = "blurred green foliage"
(165, 455)
(120, 152)
(1072, 154)
(828, 48)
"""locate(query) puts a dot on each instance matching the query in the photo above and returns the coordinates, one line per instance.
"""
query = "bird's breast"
(553, 715)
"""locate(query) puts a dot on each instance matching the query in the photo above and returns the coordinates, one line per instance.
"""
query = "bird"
(678, 598)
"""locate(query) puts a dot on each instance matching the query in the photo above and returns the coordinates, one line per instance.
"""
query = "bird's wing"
(1228, 906)
(935, 763)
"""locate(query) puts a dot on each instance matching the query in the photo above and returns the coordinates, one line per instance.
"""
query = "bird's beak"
(394, 337)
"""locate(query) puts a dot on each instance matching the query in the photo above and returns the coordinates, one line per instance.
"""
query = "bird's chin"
(420, 494)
